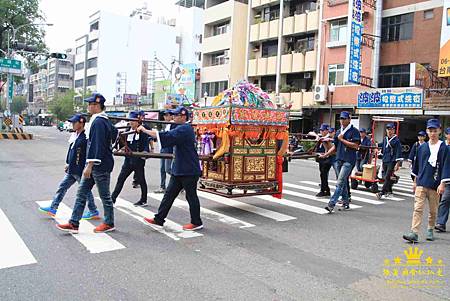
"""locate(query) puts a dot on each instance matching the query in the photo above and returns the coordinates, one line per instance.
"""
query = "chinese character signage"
(144, 78)
(395, 98)
(130, 99)
(444, 54)
(353, 66)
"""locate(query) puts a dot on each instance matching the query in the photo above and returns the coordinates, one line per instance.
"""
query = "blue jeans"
(444, 207)
(342, 188)
(165, 168)
(65, 184)
(102, 180)
(335, 167)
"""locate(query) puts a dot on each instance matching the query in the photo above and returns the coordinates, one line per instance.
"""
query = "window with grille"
(397, 28)
(394, 76)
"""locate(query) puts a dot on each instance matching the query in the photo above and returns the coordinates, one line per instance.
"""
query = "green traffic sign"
(10, 63)
(10, 88)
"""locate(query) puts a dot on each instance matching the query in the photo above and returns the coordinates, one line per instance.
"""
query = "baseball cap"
(390, 126)
(133, 114)
(433, 124)
(180, 111)
(344, 115)
(324, 127)
(95, 97)
(77, 118)
(422, 133)
(447, 130)
(362, 130)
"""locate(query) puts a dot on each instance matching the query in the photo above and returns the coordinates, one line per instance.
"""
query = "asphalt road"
(250, 248)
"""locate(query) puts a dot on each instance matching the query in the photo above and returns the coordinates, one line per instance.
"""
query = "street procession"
(225, 150)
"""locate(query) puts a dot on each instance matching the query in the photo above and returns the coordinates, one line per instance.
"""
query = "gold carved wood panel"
(271, 167)
(238, 163)
(255, 164)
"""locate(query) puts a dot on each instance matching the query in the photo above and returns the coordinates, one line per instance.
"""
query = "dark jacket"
(426, 175)
(99, 145)
(137, 145)
(76, 155)
(392, 149)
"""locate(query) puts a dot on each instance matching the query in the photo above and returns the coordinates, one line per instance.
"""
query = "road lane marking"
(312, 198)
(205, 212)
(364, 200)
(246, 207)
(388, 198)
(94, 242)
(170, 229)
(13, 251)
(289, 203)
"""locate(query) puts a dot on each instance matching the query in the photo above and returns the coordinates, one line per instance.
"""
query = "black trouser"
(176, 183)
(324, 168)
(127, 169)
(388, 171)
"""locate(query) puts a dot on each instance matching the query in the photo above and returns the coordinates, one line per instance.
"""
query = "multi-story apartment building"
(115, 50)
(224, 48)
(38, 86)
(60, 74)
(282, 48)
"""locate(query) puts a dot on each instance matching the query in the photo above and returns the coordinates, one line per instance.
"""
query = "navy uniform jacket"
(99, 145)
(413, 153)
(446, 169)
(426, 175)
(138, 145)
(182, 139)
(362, 154)
(76, 155)
(393, 151)
(344, 153)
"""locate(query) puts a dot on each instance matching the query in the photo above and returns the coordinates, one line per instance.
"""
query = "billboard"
(144, 78)
(391, 98)
(444, 54)
(183, 80)
(355, 31)
(130, 99)
(162, 89)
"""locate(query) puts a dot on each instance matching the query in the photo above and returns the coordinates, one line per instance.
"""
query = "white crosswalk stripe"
(354, 191)
(389, 198)
(13, 252)
(170, 229)
(313, 198)
(246, 207)
(207, 213)
(315, 190)
(94, 242)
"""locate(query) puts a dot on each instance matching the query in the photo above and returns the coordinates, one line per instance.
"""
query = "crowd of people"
(430, 168)
(90, 162)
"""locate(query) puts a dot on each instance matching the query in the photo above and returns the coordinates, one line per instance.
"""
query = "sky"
(70, 18)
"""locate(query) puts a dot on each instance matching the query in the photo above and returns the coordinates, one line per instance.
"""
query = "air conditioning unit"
(308, 75)
(320, 93)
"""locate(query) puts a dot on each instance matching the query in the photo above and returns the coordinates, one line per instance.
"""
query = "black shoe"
(346, 207)
(113, 200)
(135, 185)
(440, 228)
(329, 209)
(141, 204)
(379, 195)
(322, 194)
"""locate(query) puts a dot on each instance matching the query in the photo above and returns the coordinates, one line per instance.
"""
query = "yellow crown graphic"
(413, 257)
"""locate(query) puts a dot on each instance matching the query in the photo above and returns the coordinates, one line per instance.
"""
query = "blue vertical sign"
(10, 88)
(356, 26)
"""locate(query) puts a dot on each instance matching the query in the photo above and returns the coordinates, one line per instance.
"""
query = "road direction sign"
(10, 66)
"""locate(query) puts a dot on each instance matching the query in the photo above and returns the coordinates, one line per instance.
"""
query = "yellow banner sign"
(444, 55)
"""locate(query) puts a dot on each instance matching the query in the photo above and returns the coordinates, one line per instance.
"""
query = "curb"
(16, 136)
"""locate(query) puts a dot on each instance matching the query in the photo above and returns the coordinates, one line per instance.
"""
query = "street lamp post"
(21, 26)
(205, 96)
(331, 88)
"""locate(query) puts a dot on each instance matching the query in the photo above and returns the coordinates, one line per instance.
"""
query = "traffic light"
(25, 47)
(60, 56)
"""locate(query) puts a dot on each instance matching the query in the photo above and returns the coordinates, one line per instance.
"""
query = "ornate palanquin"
(245, 147)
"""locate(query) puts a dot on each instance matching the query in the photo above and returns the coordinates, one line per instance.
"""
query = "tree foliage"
(18, 104)
(62, 105)
(20, 14)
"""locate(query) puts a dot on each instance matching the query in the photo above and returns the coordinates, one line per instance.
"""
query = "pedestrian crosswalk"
(299, 198)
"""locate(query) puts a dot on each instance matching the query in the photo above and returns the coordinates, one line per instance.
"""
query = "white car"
(67, 126)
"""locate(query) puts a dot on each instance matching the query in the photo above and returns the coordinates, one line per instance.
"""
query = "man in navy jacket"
(185, 170)
(428, 171)
(75, 161)
(137, 142)
(392, 158)
(99, 166)
(362, 155)
(444, 190)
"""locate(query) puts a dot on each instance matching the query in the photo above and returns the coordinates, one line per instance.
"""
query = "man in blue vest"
(392, 159)
(428, 171)
(362, 156)
(185, 170)
(444, 190)
(75, 162)
(98, 169)
(421, 136)
(137, 142)
(346, 143)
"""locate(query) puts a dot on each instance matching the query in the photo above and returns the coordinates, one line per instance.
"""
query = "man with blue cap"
(428, 172)
(137, 142)
(421, 136)
(185, 170)
(392, 159)
(166, 164)
(98, 169)
(325, 143)
(75, 162)
(346, 143)
(444, 190)
(362, 156)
